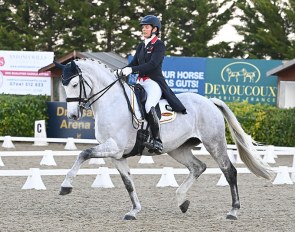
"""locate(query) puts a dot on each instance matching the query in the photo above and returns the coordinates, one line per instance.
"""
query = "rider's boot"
(155, 145)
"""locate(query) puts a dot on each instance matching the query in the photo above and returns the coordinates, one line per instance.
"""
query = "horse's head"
(76, 87)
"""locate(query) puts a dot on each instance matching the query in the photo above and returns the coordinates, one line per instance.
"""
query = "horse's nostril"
(73, 116)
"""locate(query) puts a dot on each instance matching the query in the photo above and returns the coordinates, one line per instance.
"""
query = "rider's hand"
(126, 71)
(118, 72)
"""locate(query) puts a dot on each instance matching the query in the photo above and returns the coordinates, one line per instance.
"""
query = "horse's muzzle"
(73, 116)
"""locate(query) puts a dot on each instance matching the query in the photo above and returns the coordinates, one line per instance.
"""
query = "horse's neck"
(113, 99)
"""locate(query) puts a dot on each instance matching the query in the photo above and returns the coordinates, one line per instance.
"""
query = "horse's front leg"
(107, 149)
(124, 170)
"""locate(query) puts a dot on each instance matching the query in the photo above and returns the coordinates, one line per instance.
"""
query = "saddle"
(163, 110)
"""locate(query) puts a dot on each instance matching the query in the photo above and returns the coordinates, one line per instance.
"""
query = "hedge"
(266, 124)
(19, 113)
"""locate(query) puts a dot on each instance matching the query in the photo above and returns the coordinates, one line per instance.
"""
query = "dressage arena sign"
(19, 72)
(59, 126)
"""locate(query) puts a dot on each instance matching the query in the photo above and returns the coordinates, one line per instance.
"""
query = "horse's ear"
(73, 65)
(61, 66)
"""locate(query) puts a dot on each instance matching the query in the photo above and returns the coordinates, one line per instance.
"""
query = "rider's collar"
(146, 41)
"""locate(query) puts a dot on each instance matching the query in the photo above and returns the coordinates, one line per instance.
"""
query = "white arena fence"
(103, 179)
(49, 140)
(70, 142)
(285, 175)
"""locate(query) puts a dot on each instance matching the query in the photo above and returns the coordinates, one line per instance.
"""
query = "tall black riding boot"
(155, 145)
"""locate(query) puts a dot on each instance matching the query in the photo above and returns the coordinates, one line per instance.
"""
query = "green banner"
(241, 80)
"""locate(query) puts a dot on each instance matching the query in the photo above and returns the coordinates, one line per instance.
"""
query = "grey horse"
(88, 81)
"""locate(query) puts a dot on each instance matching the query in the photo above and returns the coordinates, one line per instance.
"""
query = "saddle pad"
(166, 115)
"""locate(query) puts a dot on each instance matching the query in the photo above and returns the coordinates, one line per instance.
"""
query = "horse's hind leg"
(219, 153)
(184, 155)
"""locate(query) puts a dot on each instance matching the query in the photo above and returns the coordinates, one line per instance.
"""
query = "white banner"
(19, 72)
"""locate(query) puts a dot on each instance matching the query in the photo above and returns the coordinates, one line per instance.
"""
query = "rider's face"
(147, 30)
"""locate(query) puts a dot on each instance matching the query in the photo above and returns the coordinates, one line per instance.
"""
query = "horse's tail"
(244, 143)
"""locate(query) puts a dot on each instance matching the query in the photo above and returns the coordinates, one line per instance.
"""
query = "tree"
(289, 10)
(191, 24)
(75, 30)
(116, 22)
(266, 29)
(11, 37)
(30, 25)
(46, 25)
(268, 26)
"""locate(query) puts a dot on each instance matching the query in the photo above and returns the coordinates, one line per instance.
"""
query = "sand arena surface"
(264, 207)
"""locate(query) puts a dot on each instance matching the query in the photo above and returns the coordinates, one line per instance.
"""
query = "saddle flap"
(140, 93)
(141, 97)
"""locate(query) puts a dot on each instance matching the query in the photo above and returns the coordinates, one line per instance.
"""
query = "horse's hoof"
(129, 217)
(231, 217)
(184, 206)
(65, 190)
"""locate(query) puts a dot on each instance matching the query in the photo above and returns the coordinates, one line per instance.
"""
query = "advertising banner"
(19, 72)
(182, 74)
(185, 74)
(241, 80)
(227, 79)
(59, 126)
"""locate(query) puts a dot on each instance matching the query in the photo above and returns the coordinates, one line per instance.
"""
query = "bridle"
(84, 102)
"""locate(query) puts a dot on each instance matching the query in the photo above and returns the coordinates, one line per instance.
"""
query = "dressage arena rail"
(34, 180)
(112, 171)
(70, 142)
(93, 141)
(49, 140)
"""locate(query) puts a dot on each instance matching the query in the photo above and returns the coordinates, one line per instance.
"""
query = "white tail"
(244, 143)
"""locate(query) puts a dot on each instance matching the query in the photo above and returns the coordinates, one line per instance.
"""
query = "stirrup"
(154, 146)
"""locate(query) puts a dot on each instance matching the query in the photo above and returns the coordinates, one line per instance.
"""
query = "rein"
(84, 102)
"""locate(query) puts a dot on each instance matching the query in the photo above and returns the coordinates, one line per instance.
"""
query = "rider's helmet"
(151, 20)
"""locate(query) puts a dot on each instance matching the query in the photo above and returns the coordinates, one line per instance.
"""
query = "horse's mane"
(95, 61)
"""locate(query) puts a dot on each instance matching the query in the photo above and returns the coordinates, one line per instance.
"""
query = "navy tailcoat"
(147, 62)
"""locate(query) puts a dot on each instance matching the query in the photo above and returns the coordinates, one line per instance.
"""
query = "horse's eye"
(75, 85)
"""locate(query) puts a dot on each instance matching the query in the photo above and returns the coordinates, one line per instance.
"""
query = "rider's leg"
(154, 94)
(156, 144)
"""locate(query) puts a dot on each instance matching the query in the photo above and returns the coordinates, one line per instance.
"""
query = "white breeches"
(154, 93)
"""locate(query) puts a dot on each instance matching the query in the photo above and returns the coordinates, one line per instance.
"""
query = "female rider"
(147, 62)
